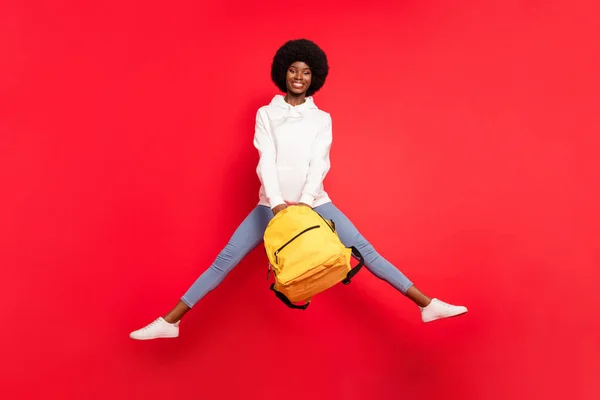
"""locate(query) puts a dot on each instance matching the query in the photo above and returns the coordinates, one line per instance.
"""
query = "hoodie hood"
(293, 111)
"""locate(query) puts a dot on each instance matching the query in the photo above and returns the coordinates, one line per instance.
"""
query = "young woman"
(293, 138)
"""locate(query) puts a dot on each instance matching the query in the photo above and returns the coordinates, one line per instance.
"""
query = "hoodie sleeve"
(267, 169)
(319, 164)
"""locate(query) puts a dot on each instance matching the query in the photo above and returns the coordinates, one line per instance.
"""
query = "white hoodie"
(293, 143)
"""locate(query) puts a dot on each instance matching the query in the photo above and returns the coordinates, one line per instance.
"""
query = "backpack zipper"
(292, 239)
(331, 226)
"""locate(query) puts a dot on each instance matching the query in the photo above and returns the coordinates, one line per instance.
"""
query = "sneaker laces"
(443, 304)
(438, 302)
(152, 324)
(449, 307)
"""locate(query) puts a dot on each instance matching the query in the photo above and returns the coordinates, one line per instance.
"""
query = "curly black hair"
(305, 51)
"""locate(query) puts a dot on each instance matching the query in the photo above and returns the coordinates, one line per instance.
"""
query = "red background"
(465, 149)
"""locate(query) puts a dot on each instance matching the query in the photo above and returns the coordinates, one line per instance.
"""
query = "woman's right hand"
(278, 208)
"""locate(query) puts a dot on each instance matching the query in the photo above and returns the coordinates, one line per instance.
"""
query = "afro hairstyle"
(305, 51)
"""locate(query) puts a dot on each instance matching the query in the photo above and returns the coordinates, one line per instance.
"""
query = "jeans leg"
(374, 262)
(246, 237)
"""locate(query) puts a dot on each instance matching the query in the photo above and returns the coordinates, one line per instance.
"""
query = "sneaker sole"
(155, 337)
(450, 316)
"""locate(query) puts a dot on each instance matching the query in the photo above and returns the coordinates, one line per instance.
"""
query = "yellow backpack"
(306, 255)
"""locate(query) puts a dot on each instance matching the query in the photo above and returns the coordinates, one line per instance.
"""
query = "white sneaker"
(159, 329)
(437, 309)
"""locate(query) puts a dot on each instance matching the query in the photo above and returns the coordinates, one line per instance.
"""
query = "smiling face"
(298, 78)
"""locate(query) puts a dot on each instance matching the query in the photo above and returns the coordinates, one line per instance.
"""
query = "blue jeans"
(250, 233)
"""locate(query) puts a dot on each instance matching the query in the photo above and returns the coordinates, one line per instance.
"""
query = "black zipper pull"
(269, 271)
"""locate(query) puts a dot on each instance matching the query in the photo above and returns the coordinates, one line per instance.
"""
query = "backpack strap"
(287, 301)
(354, 271)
